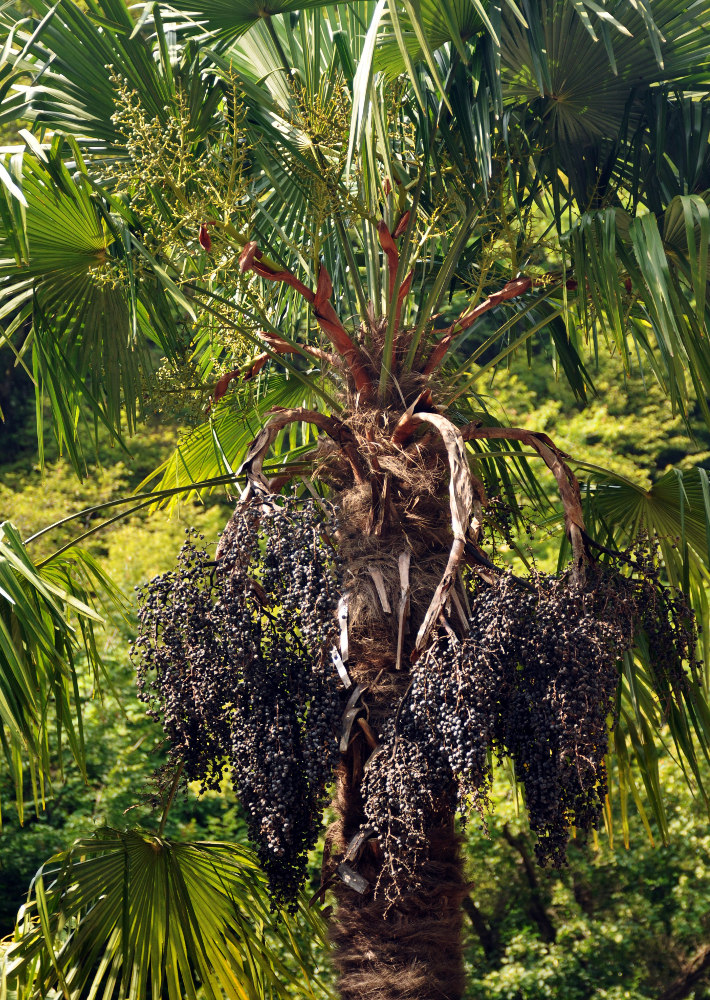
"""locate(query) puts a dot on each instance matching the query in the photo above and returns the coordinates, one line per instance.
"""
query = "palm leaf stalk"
(367, 239)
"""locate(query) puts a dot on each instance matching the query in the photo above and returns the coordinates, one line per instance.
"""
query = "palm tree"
(333, 222)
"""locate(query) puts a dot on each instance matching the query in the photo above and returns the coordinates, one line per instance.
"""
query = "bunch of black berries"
(536, 678)
(234, 659)
(559, 700)
(408, 789)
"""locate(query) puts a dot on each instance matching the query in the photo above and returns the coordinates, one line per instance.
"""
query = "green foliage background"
(617, 924)
(124, 747)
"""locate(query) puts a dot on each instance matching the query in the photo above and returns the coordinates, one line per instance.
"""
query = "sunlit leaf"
(47, 617)
(160, 918)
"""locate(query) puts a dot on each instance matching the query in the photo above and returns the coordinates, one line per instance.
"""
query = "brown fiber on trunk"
(410, 950)
(414, 953)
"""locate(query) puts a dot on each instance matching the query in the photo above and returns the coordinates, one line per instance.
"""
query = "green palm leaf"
(653, 721)
(674, 157)
(579, 92)
(675, 510)
(653, 275)
(225, 19)
(217, 447)
(72, 56)
(81, 339)
(68, 273)
(572, 94)
(156, 918)
(513, 35)
(399, 45)
(46, 617)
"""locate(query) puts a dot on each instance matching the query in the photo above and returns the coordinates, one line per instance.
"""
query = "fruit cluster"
(233, 656)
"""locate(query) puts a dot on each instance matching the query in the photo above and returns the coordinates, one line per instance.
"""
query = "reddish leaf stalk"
(335, 429)
(509, 291)
(401, 226)
(390, 249)
(204, 238)
(276, 346)
(251, 259)
(404, 290)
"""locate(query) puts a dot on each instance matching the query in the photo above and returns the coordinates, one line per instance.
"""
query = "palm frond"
(67, 62)
(81, 339)
(512, 35)
(152, 917)
(47, 617)
(227, 21)
(217, 447)
(652, 723)
(675, 510)
(672, 157)
(578, 90)
(648, 278)
(654, 719)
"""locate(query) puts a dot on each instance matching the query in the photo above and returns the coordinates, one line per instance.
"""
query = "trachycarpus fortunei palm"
(442, 656)
(380, 463)
(507, 133)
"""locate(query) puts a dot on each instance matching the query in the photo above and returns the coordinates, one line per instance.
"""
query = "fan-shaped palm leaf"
(82, 342)
(675, 510)
(227, 20)
(151, 917)
(74, 58)
(418, 34)
(673, 157)
(401, 45)
(655, 275)
(575, 95)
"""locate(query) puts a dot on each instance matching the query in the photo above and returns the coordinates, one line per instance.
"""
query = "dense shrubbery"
(616, 924)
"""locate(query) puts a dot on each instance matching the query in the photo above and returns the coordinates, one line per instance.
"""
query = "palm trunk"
(410, 949)
(414, 952)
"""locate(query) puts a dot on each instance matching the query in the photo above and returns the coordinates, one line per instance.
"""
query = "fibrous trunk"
(405, 944)
(409, 950)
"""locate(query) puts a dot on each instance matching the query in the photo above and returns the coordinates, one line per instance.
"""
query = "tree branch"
(489, 938)
(536, 910)
(690, 975)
